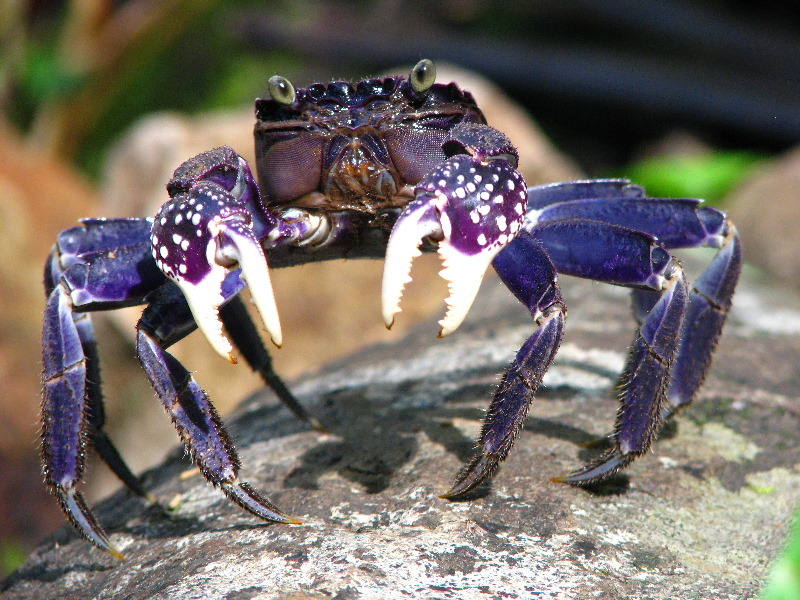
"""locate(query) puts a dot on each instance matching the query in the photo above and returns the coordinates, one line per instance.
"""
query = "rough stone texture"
(766, 210)
(701, 516)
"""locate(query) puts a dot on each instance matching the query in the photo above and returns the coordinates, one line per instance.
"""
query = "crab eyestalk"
(473, 208)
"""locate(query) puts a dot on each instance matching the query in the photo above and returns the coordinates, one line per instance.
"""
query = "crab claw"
(473, 209)
(197, 237)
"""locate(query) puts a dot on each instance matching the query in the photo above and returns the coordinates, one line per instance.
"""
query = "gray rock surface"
(700, 517)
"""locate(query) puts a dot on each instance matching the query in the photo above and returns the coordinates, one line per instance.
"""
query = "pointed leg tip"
(81, 517)
(114, 552)
(471, 476)
(248, 498)
(292, 521)
(608, 464)
(231, 359)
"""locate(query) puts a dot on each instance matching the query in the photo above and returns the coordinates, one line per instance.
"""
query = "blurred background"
(100, 100)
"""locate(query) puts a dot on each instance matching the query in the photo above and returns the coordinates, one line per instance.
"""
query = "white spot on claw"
(482, 240)
(501, 223)
(498, 199)
(475, 217)
(484, 209)
(164, 252)
(196, 219)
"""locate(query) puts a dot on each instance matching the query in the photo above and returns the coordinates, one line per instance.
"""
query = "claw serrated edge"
(464, 274)
(403, 247)
(204, 299)
(255, 272)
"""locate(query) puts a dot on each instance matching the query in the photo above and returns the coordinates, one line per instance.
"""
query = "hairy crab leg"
(192, 413)
(77, 279)
(64, 422)
(527, 271)
(614, 254)
(677, 223)
(709, 303)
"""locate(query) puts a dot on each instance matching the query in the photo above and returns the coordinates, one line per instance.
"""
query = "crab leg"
(614, 254)
(64, 408)
(77, 279)
(194, 416)
(709, 302)
(527, 271)
(677, 223)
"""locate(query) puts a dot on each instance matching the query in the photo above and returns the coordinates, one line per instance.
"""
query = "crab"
(385, 167)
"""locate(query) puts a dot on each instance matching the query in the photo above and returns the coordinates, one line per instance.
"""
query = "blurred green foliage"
(784, 580)
(11, 557)
(73, 88)
(709, 175)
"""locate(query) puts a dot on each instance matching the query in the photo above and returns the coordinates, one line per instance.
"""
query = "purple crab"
(387, 167)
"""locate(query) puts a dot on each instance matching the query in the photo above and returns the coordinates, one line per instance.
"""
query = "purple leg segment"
(603, 252)
(709, 303)
(643, 383)
(527, 271)
(64, 410)
(676, 223)
(108, 263)
(614, 254)
(197, 421)
(542, 196)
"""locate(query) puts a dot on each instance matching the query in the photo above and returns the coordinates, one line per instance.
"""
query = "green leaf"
(708, 176)
(784, 580)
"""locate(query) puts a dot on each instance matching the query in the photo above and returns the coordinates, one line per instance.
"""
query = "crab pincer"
(472, 205)
(205, 230)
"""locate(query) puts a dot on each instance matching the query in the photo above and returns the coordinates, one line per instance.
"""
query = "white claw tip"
(464, 274)
(204, 299)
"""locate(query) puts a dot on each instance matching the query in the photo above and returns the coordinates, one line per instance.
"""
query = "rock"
(766, 210)
(700, 517)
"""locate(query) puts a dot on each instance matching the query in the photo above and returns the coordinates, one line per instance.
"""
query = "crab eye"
(281, 90)
(423, 76)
